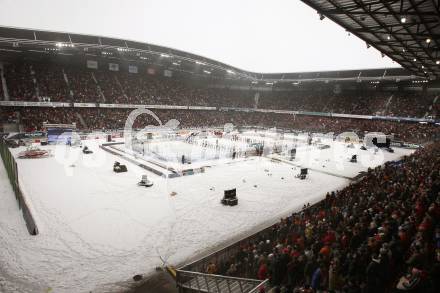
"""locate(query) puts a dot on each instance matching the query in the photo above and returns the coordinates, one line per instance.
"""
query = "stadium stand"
(102, 119)
(82, 85)
(31, 82)
(116, 87)
(20, 82)
(372, 103)
(1, 86)
(50, 82)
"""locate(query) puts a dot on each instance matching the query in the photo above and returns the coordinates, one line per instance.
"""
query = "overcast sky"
(254, 35)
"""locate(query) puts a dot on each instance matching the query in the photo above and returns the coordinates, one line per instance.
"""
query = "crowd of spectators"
(435, 109)
(83, 86)
(360, 103)
(380, 234)
(410, 104)
(51, 83)
(157, 90)
(20, 82)
(104, 118)
(33, 82)
(8, 115)
(172, 91)
(111, 87)
(33, 118)
(1, 86)
(299, 100)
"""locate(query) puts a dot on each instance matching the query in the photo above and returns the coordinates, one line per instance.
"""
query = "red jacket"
(262, 272)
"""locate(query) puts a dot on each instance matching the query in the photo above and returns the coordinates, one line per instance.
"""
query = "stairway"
(387, 104)
(3, 83)
(429, 112)
(121, 88)
(66, 80)
(34, 81)
(81, 119)
(98, 87)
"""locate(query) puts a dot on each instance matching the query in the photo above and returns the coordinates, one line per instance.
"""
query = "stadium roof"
(16, 43)
(407, 31)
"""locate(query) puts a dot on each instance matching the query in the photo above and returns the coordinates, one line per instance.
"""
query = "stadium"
(129, 166)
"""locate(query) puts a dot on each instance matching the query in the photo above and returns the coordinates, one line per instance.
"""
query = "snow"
(98, 228)
(15, 242)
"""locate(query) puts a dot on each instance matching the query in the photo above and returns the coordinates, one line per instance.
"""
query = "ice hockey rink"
(92, 220)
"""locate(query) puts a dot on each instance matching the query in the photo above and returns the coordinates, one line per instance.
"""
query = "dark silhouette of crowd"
(82, 86)
(1, 86)
(111, 119)
(382, 103)
(51, 84)
(54, 82)
(21, 83)
(380, 234)
(58, 83)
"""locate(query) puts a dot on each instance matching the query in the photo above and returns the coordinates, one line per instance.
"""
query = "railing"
(263, 287)
(210, 283)
(12, 171)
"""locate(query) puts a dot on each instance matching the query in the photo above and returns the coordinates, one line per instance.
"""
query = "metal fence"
(209, 283)
(12, 171)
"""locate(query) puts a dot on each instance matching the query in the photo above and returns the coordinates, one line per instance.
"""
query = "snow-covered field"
(98, 228)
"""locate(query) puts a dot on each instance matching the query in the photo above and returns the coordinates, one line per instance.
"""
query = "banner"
(314, 113)
(132, 106)
(168, 107)
(33, 104)
(125, 106)
(113, 67)
(352, 116)
(92, 64)
(201, 108)
(403, 119)
(132, 69)
(84, 105)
